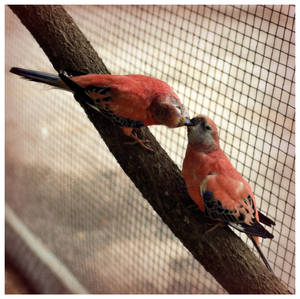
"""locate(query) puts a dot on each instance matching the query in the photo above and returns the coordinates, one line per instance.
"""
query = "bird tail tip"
(37, 76)
(255, 242)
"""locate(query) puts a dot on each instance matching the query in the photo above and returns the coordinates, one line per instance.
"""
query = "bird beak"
(193, 122)
(185, 121)
(189, 122)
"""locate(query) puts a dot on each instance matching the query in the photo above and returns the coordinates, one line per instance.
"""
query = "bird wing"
(84, 94)
(226, 199)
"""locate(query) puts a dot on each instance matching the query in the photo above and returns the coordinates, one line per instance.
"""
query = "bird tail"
(42, 77)
(265, 220)
(255, 242)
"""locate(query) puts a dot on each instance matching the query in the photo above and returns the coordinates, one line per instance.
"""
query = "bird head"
(203, 134)
(168, 111)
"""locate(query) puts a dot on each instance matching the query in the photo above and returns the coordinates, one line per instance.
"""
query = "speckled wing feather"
(79, 92)
(82, 94)
(239, 213)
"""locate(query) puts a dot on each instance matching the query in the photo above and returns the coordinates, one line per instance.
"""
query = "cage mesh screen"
(233, 63)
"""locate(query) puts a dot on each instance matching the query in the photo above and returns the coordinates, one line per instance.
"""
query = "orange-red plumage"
(131, 101)
(132, 95)
(216, 186)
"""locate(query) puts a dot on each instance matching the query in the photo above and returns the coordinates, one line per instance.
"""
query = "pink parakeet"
(217, 188)
(131, 101)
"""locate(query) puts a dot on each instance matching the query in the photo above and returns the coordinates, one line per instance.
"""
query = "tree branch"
(221, 252)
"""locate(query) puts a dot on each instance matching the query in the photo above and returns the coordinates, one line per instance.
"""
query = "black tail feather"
(37, 76)
(261, 254)
(265, 220)
(79, 92)
(256, 229)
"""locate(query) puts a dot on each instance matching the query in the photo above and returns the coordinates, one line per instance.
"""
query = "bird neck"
(204, 148)
(161, 111)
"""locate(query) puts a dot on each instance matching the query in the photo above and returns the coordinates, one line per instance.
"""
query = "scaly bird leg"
(219, 224)
(139, 141)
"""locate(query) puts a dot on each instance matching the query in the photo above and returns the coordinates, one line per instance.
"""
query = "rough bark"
(221, 252)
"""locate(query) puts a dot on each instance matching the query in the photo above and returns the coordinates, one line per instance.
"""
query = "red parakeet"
(131, 101)
(217, 188)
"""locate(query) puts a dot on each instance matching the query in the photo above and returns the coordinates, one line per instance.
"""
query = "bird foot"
(219, 224)
(139, 141)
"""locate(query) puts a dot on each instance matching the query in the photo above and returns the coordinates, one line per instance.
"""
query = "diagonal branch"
(221, 252)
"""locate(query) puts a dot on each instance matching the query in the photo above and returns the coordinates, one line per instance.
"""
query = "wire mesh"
(233, 63)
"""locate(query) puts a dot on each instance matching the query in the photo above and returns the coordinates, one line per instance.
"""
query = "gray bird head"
(203, 134)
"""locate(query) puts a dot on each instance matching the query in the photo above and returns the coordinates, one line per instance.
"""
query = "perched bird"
(131, 101)
(217, 188)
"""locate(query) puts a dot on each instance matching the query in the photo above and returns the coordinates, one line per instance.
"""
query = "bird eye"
(205, 126)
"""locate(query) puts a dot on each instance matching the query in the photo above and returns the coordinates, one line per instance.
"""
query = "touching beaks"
(189, 122)
(192, 122)
(185, 121)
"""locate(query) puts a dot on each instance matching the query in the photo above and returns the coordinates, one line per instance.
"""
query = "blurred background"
(75, 223)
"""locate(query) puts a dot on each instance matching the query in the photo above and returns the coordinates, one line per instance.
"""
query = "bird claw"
(139, 141)
(219, 224)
